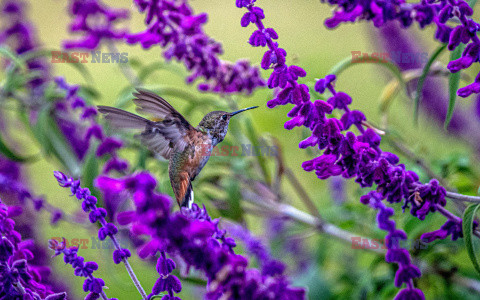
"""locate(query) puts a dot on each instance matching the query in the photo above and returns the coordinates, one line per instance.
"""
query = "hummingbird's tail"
(188, 198)
(122, 119)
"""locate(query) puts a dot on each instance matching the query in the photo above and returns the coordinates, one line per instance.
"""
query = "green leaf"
(467, 225)
(142, 159)
(125, 97)
(46, 53)
(80, 67)
(89, 92)
(9, 54)
(472, 3)
(9, 153)
(62, 149)
(38, 129)
(421, 80)
(90, 170)
(453, 83)
(157, 66)
(252, 136)
(53, 142)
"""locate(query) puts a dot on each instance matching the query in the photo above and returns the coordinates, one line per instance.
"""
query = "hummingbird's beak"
(241, 110)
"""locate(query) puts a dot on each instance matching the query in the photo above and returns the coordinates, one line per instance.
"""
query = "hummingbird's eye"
(224, 117)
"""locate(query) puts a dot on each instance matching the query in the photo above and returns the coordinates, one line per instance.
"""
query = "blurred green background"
(310, 45)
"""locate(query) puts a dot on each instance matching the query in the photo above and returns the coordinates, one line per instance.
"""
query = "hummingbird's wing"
(172, 133)
(149, 103)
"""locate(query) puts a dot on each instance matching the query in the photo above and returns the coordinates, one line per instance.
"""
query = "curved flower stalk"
(17, 278)
(94, 286)
(348, 155)
(195, 238)
(424, 13)
(98, 214)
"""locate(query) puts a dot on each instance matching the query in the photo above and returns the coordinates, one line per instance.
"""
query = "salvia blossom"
(255, 247)
(348, 155)
(19, 280)
(96, 214)
(173, 25)
(19, 34)
(192, 236)
(167, 282)
(338, 190)
(96, 22)
(11, 184)
(278, 228)
(77, 120)
(93, 286)
(395, 254)
(423, 13)
(74, 117)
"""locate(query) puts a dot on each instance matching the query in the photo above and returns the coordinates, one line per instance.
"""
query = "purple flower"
(254, 246)
(406, 271)
(424, 13)
(20, 35)
(167, 282)
(80, 130)
(357, 156)
(197, 239)
(96, 214)
(178, 30)
(450, 228)
(77, 130)
(109, 145)
(473, 88)
(96, 22)
(94, 286)
(16, 270)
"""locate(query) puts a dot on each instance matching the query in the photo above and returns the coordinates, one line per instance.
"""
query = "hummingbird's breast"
(193, 158)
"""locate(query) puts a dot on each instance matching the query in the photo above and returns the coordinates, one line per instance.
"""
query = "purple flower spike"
(424, 13)
(359, 156)
(19, 276)
(85, 11)
(406, 271)
(94, 286)
(198, 240)
(174, 26)
(119, 255)
(96, 214)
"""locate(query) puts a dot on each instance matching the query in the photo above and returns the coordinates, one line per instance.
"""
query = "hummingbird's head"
(215, 123)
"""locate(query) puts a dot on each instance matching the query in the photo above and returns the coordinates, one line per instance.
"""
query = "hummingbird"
(171, 136)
